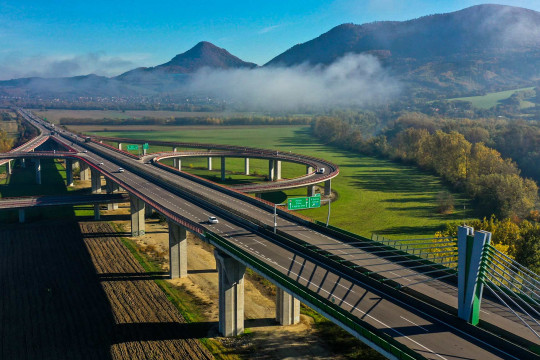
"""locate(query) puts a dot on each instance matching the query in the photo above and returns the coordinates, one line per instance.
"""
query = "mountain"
(480, 47)
(204, 54)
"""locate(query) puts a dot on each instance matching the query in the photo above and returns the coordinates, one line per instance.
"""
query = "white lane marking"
(421, 327)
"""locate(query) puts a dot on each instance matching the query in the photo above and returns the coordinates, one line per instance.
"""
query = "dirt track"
(75, 292)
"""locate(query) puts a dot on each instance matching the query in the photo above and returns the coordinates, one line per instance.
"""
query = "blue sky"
(64, 38)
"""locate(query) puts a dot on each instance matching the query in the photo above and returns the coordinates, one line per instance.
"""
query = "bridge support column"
(177, 251)
(23, 163)
(22, 216)
(246, 163)
(328, 187)
(277, 168)
(287, 308)
(97, 215)
(119, 146)
(177, 164)
(223, 168)
(470, 261)
(309, 169)
(85, 171)
(111, 187)
(69, 172)
(209, 163)
(231, 294)
(271, 170)
(137, 216)
(96, 181)
(38, 171)
(311, 190)
(8, 167)
(148, 211)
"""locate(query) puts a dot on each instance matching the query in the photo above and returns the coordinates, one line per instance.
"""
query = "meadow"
(492, 99)
(373, 195)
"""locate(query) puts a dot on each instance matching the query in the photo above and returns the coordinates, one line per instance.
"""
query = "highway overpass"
(411, 315)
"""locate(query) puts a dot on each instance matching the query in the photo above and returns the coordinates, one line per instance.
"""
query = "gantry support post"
(231, 294)
(69, 172)
(223, 168)
(37, 162)
(137, 216)
(271, 170)
(246, 163)
(471, 258)
(328, 187)
(96, 181)
(177, 251)
(287, 308)
(209, 163)
(277, 169)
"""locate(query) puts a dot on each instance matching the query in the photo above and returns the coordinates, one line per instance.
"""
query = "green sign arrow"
(132, 147)
(315, 201)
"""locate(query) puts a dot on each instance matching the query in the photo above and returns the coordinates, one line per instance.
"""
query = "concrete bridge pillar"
(223, 168)
(69, 172)
(38, 171)
(177, 163)
(309, 169)
(231, 294)
(111, 187)
(97, 215)
(137, 216)
(246, 161)
(328, 187)
(23, 163)
(85, 171)
(8, 167)
(148, 211)
(22, 216)
(96, 181)
(277, 170)
(271, 170)
(287, 308)
(209, 163)
(119, 146)
(311, 190)
(174, 149)
(177, 251)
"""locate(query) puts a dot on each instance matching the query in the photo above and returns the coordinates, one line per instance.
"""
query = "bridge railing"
(353, 324)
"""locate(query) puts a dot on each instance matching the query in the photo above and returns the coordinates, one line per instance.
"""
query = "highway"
(418, 330)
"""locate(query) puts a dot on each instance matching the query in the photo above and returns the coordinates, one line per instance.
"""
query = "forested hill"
(481, 47)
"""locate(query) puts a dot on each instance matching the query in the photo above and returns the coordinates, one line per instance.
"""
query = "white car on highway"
(213, 220)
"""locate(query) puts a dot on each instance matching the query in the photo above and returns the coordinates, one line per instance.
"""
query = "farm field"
(86, 298)
(492, 99)
(54, 116)
(374, 195)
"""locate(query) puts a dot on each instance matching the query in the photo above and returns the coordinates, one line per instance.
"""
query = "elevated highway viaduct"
(394, 322)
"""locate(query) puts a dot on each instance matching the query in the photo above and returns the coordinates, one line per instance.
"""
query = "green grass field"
(374, 195)
(492, 99)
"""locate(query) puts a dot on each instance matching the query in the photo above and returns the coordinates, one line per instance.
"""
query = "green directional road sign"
(132, 147)
(304, 202)
(298, 203)
(145, 146)
(315, 201)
